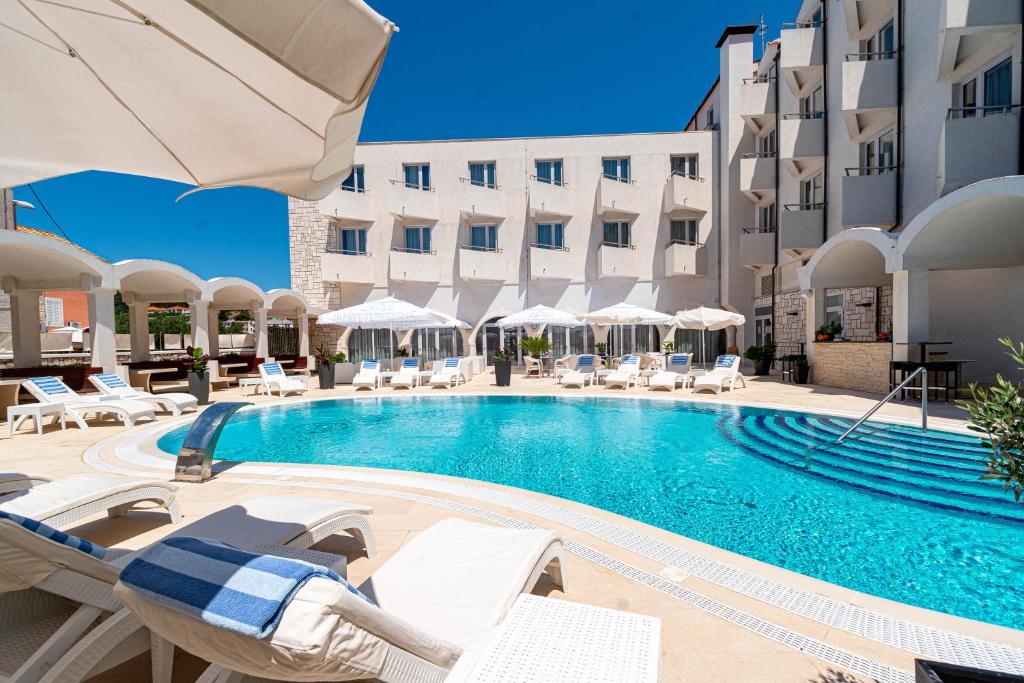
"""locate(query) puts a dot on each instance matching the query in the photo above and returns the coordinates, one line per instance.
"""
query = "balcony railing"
(804, 115)
(356, 190)
(801, 24)
(549, 181)
(685, 243)
(870, 170)
(686, 175)
(620, 179)
(870, 56)
(413, 251)
(813, 206)
(619, 245)
(760, 155)
(759, 79)
(412, 186)
(977, 112)
(760, 230)
(480, 183)
(474, 247)
(347, 252)
(550, 247)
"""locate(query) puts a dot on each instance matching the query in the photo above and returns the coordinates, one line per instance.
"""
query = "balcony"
(972, 32)
(801, 141)
(977, 144)
(413, 203)
(348, 268)
(549, 200)
(617, 262)
(349, 206)
(757, 102)
(869, 197)
(483, 265)
(617, 197)
(862, 18)
(801, 228)
(683, 259)
(686, 195)
(415, 266)
(801, 56)
(869, 93)
(548, 263)
(757, 247)
(481, 201)
(757, 176)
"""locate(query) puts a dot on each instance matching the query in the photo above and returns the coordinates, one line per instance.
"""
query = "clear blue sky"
(457, 69)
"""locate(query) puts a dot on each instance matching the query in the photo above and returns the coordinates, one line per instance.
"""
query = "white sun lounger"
(677, 373)
(59, 503)
(44, 583)
(725, 373)
(369, 375)
(51, 390)
(582, 375)
(272, 375)
(408, 376)
(435, 598)
(628, 372)
(110, 384)
(12, 482)
(449, 375)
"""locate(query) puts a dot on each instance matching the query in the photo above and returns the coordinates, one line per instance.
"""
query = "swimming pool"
(893, 512)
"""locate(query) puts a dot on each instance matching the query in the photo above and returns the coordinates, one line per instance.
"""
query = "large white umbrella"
(539, 317)
(389, 313)
(627, 314)
(210, 93)
(444, 320)
(704, 319)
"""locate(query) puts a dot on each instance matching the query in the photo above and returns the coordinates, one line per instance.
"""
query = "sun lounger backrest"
(679, 362)
(27, 557)
(272, 368)
(585, 363)
(109, 380)
(50, 390)
(370, 365)
(411, 363)
(726, 363)
(630, 363)
(451, 364)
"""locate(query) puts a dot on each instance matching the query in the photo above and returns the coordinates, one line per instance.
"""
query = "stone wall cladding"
(307, 239)
(852, 365)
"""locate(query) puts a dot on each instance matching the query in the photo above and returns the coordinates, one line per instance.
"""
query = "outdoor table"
(923, 347)
(9, 389)
(543, 639)
(599, 374)
(251, 382)
(146, 376)
(386, 375)
(37, 411)
(646, 375)
(899, 370)
(424, 376)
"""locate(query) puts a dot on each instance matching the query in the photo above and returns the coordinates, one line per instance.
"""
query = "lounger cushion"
(26, 558)
(57, 497)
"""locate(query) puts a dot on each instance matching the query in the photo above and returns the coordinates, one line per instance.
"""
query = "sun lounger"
(59, 503)
(368, 376)
(435, 598)
(627, 372)
(54, 587)
(725, 373)
(583, 374)
(52, 391)
(272, 375)
(408, 375)
(110, 384)
(677, 373)
(449, 375)
(12, 482)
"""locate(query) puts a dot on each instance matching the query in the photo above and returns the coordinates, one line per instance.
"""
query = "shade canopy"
(539, 316)
(211, 93)
(389, 312)
(444, 321)
(627, 314)
(702, 318)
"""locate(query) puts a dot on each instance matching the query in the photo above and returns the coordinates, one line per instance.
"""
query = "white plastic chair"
(110, 384)
(368, 376)
(50, 390)
(272, 375)
(677, 373)
(583, 374)
(725, 373)
(450, 373)
(627, 372)
(408, 375)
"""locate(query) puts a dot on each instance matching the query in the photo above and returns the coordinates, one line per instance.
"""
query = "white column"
(101, 327)
(138, 319)
(213, 325)
(303, 323)
(200, 315)
(25, 321)
(262, 340)
(814, 317)
(909, 311)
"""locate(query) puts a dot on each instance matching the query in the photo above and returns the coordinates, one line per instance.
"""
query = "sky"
(456, 69)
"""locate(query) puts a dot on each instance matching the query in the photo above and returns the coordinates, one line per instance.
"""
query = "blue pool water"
(893, 512)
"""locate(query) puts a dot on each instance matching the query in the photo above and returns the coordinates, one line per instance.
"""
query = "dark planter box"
(199, 386)
(762, 367)
(325, 372)
(937, 672)
(801, 373)
(503, 373)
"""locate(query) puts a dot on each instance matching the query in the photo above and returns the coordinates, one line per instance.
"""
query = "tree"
(998, 413)
(122, 323)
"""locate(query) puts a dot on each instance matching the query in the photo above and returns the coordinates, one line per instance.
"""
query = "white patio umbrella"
(389, 313)
(538, 317)
(444, 320)
(211, 93)
(627, 314)
(704, 319)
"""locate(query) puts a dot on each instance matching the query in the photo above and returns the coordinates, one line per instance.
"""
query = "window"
(710, 125)
(616, 233)
(766, 217)
(834, 308)
(54, 309)
(417, 239)
(998, 88)
(879, 155)
(616, 169)
(483, 237)
(683, 231)
(550, 171)
(417, 176)
(813, 106)
(550, 235)
(354, 182)
(882, 45)
(685, 165)
(763, 325)
(351, 241)
(767, 144)
(815, 19)
(812, 195)
(481, 174)
(969, 98)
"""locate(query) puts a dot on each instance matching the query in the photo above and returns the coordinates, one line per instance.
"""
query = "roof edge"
(736, 31)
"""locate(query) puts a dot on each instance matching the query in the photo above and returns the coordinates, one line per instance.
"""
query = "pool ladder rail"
(924, 403)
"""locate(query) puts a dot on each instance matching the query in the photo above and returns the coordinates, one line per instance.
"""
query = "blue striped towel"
(725, 361)
(451, 362)
(411, 363)
(679, 360)
(629, 360)
(111, 380)
(273, 369)
(48, 532)
(585, 362)
(51, 385)
(370, 365)
(221, 585)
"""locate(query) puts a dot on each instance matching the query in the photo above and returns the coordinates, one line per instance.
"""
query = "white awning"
(211, 93)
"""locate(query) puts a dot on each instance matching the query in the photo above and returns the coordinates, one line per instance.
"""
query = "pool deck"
(724, 617)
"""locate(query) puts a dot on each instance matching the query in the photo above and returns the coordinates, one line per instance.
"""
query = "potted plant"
(502, 367)
(198, 376)
(801, 370)
(828, 331)
(601, 349)
(763, 357)
(535, 346)
(403, 352)
(325, 362)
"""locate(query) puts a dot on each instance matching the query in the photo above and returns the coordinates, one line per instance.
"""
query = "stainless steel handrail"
(689, 176)
(549, 181)
(924, 402)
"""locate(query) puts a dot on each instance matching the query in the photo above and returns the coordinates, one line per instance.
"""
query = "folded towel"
(222, 585)
(48, 532)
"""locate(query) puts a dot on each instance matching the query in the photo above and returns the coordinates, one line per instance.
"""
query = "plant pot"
(762, 367)
(199, 386)
(801, 373)
(825, 337)
(325, 373)
(503, 373)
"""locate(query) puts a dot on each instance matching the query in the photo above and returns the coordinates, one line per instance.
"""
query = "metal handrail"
(549, 181)
(881, 55)
(347, 252)
(802, 24)
(480, 183)
(354, 190)
(609, 176)
(810, 206)
(685, 243)
(924, 402)
(870, 170)
(760, 155)
(550, 247)
(470, 247)
(688, 176)
(804, 115)
(760, 230)
(618, 245)
(759, 79)
(411, 186)
(405, 250)
(982, 111)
